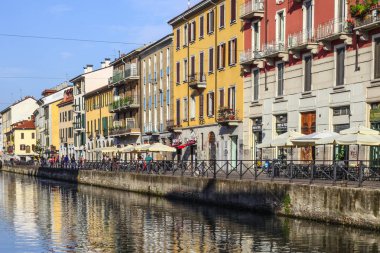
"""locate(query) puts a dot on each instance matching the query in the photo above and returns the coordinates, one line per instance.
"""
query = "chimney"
(102, 65)
(107, 62)
(88, 68)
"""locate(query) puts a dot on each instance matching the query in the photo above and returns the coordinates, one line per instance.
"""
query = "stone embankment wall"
(352, 206)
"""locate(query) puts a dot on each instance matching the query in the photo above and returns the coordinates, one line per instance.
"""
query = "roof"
(132, 54)
(164, 39)
(17, 102)
(187, 13)
(98, 90)
(24, 124)
(66, 102)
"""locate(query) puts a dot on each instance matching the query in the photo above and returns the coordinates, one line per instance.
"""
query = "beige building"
(66, 133)
(156, 83)
(23, 137)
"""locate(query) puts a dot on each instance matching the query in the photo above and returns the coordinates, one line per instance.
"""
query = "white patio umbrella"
(359, 136)
(159, 147)
(142, 148)
(285, 139)
(312, 139)
(127, 149)
(109, 150)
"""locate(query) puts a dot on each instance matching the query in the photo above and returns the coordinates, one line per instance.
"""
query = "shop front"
(308, 126)
(374, 119)
(281, 128)
(257, 131)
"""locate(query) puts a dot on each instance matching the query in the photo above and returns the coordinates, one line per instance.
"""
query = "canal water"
(38, 215)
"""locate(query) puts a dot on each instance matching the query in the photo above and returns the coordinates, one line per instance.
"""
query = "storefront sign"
(257, 128)
(282, 127)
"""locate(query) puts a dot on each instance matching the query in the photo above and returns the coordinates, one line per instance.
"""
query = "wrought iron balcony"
(198, 81)
(275, 49)
(172, 126)
(335, 29)
(250, 56)
(78, 126)
(130, 73)
(369, 21)
(252, 9)
(126, 103)
(301, 41)
(150, 129)
(228, 116)
(130, 128)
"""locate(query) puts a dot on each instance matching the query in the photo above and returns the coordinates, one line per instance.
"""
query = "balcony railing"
(78, 126)
(228, 116)
(369, 21)
(172, 126)
(252, 9)
(130, 72)
(129, 102)
(300, 39)
(333, 28)
(130, 128)
(273, 48)
(150, 128)
(198, 81)
(248, 56)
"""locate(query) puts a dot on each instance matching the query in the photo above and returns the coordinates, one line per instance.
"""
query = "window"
(22, 136)
(201, 101)
(22, 147)
(192, 107)
(201, 58)
(210, 22)
(340, 111)
(185, 74)
(178, 73)
(377, 58)
(211, 60)
(280, 79)
(308, 19)
(178, 110)
(192, 66)
(221, 98)
(193, 34)
(280, 27)
(210, 104)
(201, 26)
(33, 135)
(340, 55)
(307, 73)
(221, 56)
(233, 11)
(185, 108)
(256, 36)
(256, 87)
(221, 16)
(232, 98)
(185, 35)
(232, 51)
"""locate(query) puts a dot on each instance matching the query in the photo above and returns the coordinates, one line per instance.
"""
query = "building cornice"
(188, 13)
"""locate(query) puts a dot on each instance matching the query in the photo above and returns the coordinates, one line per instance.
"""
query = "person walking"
(148, 162)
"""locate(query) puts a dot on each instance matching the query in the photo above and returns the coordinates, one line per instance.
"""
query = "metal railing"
(197, 78)
(130, 71)
(372, 17)
(251, 7)
(333, 27)
(226, 114)
(150, 128)
(356, 173)
(124, 103)
(119, 128)
(250, 55)
(300, 38)
(273, 48)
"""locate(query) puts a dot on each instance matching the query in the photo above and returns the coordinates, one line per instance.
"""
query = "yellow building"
(23, 136)
(208, 86)
(99, 121)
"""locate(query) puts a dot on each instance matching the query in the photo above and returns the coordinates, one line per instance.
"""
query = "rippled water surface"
(46, 216)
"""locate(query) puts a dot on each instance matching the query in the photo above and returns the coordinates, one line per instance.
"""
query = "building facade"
(23, 136)
(208, 89)
(66, 131)
(125, 81)
(99, 121)
(21, 110)
(84, 83)
(309, 68)
(156, 83)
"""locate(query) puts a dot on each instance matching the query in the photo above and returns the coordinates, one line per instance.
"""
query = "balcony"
(228, 116)
(252, 9)
(129, 74)
(198, 81)
(367, 23)
(336, 29)
(250, 56)
(130, 128)
(300, 41)
(151, 129)
(172, 126)
(124, 104)
(79, 127)
(275, 50)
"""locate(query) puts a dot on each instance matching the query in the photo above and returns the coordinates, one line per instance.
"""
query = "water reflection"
(46, 216)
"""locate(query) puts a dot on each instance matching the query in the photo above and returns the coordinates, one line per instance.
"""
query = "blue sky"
(53, 61)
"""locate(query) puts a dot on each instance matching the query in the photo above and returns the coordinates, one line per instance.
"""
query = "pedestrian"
(66, 161)
(73, 162)
(148, 162)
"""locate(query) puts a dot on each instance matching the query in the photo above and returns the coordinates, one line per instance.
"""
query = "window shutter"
(221, 97)
(222, 16)
(192, 66)
(211, 60)
(233, 11)
(208, 22)
(235, 51)
(201, 105)
(308, 73)
(229, 52)
(201, 25)
(212, 21)
(212, 104)
(223, 55)
(178, 112)
(178, 38)
(229, 97)
(200, 66)
(188, 33)
(178, 72)
(377, 58)
(194, 30)
(340, 67)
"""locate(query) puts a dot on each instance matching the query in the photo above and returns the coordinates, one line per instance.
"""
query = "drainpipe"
(265, 42)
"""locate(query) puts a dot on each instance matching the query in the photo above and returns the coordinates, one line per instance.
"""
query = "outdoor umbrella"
(127, 149)
(285, 139)
(312, 139)
(159, 147)
(109, 150)
(142, 148)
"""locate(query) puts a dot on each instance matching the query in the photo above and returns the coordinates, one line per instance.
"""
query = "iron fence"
(352, 172)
